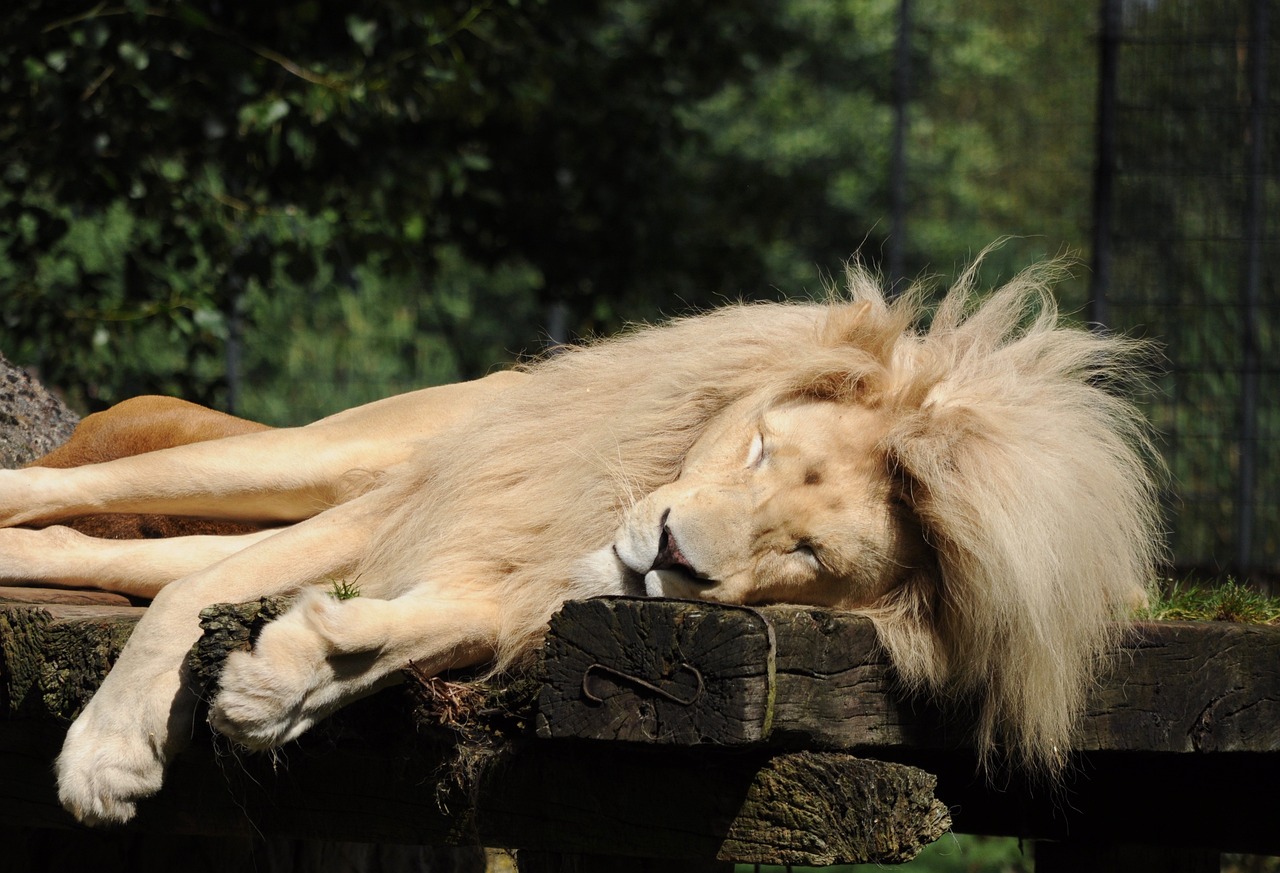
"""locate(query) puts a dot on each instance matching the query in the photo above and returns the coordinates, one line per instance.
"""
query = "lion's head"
(790, 502)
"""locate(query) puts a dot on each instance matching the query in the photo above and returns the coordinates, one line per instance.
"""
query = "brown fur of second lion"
(134, 427)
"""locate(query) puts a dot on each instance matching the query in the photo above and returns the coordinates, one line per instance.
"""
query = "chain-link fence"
(1188, 184)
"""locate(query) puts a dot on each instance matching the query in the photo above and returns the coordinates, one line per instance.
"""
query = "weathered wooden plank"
(376, 782)
(76, 596)
(367, 779)
(1175, 687)
(1190, 687)
(54, 656)
(682, 673)
(835, 688)
(812, 808)
(818, 680)
(1169, 736)
(700, 673)
(227, 628)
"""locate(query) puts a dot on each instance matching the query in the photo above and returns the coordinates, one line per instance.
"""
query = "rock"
(32, 421)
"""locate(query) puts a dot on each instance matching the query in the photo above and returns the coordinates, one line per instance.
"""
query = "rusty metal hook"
(651, 687)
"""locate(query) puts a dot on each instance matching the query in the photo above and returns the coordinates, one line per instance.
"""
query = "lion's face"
(795, 504)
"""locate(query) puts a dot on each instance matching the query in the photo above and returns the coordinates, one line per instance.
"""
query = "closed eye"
(755, 453)
(808, 552)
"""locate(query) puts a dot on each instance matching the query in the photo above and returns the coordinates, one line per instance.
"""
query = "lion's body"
(973, 488)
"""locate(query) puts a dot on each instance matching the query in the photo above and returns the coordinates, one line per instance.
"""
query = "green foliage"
(239, 154)
(954, 853)
(363, 199)
(820, 122)
(255, 150)
(378, 334)
(1225, 601)
(344, 589)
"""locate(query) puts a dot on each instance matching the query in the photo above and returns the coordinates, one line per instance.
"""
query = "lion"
(979, 486)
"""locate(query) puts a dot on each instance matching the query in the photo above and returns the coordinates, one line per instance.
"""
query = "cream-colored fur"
(975, 487)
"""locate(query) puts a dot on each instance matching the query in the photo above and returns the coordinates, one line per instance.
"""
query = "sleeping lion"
(976, 487)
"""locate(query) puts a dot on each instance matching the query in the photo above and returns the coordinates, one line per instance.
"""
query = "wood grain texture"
(682, 675)
(811, 808)
(1189, 687)
(54, 656)
(821, 681)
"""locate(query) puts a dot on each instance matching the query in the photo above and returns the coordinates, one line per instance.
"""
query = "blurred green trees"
(324, 203)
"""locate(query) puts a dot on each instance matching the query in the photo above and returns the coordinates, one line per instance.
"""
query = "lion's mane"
(1030, 474)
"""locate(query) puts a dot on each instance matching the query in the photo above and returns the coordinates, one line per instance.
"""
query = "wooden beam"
(676, 672)
(366, 776)
(363, 781)
(53, 655)
(1187, 714)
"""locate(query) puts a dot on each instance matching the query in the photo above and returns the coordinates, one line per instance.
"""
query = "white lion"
(975, 487)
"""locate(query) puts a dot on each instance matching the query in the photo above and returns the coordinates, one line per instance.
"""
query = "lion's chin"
(674, 583)
(606, 573)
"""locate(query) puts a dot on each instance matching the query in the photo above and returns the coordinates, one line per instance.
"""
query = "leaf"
(365, 33)
(134, 56)
(263, 114)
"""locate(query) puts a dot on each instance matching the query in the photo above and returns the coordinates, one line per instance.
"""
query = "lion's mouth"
(671, 559)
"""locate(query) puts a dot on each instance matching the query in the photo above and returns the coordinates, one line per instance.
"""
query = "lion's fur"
(1032, 479)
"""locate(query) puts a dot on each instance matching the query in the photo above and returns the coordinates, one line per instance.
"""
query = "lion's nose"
(669, 556)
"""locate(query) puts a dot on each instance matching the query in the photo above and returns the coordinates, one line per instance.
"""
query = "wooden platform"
(683, 730)
(1180, 745)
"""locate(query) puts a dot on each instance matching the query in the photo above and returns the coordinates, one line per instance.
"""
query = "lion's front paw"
(274, 693)
(256, 707)
(103, 772)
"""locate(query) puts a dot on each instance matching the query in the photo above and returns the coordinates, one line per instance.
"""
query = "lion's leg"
(323, 653)
(116, 750)
(274, 475)
(134, 427)
(140, 568)
(281, 475)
